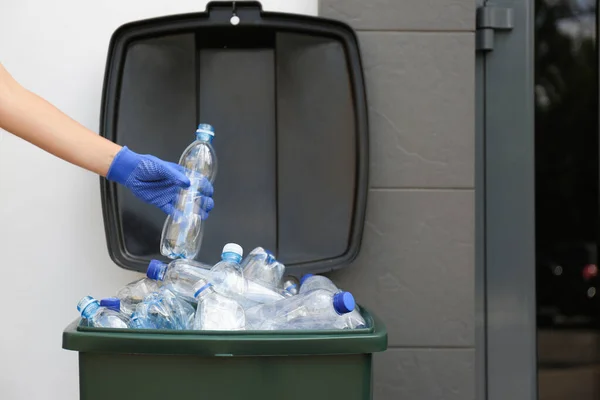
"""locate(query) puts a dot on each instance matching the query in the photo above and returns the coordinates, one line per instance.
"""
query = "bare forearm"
(32, 118)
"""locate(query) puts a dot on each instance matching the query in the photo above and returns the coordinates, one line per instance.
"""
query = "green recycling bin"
(291, 365)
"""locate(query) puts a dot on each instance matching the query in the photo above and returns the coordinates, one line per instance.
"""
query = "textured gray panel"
(416, 267)
(402, 15)
(422, 374)
(421, 99)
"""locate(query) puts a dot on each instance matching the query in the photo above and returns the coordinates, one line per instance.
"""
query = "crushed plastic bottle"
(229, 279)
(134, 293)
(163, 310)
(216, 312)
(179, 276)
(183, 231)
(100, 317)
(317, 304)
(260, 266)
(352, 320)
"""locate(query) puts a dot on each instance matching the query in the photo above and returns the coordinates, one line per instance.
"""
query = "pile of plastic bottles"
(232, 295)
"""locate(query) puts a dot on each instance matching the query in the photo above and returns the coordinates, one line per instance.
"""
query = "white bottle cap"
(233, 248)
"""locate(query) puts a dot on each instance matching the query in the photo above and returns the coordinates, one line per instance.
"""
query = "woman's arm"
(32, 118)
(151, 179)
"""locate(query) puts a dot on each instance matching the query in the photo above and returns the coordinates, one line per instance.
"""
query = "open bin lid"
(286, 96)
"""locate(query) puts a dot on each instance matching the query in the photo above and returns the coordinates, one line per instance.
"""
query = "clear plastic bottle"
(229, 279)
(179, 276)
(227, 274)
(163, 310)
(100, 317)
(134, 293)
(352, 320)
(261, 267)
(216, 312)
(183, 231)
(317, 304)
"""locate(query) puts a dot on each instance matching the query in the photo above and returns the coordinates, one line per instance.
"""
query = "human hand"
(157, 182)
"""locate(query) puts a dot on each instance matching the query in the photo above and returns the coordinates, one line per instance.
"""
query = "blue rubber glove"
(155, 181)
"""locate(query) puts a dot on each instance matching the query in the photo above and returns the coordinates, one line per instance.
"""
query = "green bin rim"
(228, 344)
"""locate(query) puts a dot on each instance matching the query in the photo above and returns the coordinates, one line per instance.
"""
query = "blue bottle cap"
(112, 302)
(305, 277)
(343, 302)
(155, 267)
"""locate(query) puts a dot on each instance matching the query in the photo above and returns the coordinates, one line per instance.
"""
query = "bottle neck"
(231, 257)
(156, 270)
(162, 271)
(204, 137)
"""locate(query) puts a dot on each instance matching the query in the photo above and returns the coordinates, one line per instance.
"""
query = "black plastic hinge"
(489, 20)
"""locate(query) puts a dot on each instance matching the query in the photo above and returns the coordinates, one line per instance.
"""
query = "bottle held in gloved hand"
(183, 230)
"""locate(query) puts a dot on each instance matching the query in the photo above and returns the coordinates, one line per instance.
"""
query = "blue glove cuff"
(123, 165)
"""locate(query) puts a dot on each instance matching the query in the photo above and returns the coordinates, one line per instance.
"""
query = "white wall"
(52, 242)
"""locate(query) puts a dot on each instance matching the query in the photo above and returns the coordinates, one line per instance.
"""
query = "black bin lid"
(286, 96)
